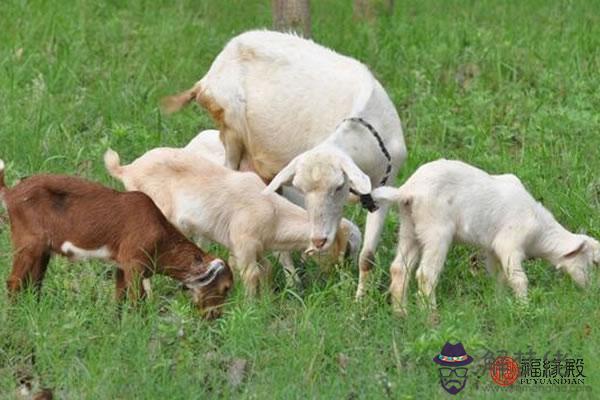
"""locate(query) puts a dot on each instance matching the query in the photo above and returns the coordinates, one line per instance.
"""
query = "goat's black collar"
(366, 200)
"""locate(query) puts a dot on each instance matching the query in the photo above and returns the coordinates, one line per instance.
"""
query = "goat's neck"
(292, 231)
(554, 241)
(177, 256)
(360, 145)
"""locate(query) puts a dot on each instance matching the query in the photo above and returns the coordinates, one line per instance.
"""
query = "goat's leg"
(435, 249)
(374, 226)
(251, 275)
(514, 274)
(249, 268)
(30, 262)
(129, 282)
(291, 275)
(121, 285)
(234, 148)
(403, 265)
(266, 274)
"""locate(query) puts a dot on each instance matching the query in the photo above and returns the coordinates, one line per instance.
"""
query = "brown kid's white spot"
(77, 253)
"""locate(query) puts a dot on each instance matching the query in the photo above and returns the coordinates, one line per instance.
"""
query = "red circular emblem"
(504, 371)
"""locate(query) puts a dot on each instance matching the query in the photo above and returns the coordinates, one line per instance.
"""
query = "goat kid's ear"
(208, 276)
(575, 251)
(284, 176)
(359, 181)
(595, 251)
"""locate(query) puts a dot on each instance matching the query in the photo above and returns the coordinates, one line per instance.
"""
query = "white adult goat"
(301, 113)
(446, 200)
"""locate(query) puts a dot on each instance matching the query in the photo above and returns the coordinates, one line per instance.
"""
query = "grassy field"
(507, 86)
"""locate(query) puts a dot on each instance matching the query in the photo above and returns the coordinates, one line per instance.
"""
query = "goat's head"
(210, 283)
(325, 175)
(345, 246)
(577, 262)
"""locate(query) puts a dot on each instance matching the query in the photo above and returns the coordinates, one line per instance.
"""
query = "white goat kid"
(208, 144)
(447, 200)
(207, 200)
(302, 113)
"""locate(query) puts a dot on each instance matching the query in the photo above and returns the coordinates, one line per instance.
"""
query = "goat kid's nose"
(319, 243)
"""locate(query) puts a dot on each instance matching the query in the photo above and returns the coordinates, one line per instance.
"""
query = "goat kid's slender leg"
(129, 282)
(514, 274)
(434, 252)
(403, 265)
(121, 290)
(234, 148)
(266, 274)
(251, 276)
(373, 229)
(121, 285)
(30, 262)
(39, 272)
(291, 274)
(249, 268)
(135, 289)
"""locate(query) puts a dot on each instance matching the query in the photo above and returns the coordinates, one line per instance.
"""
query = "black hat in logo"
(453, 355)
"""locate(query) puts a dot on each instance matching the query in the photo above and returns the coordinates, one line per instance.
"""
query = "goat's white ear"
(359, 181)
(576, 250)
(595, 245)
(284, 176)
(207, 277)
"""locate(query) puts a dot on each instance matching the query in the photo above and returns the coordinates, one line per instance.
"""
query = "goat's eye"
(339, 188)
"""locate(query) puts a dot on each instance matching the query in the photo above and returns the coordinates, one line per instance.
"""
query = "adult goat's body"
(282, 103)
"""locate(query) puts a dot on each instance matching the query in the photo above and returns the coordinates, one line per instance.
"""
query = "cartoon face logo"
(452, 359)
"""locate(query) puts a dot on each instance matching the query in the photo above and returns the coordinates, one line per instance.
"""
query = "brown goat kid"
(81, 219)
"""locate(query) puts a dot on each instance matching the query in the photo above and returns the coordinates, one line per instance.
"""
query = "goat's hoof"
(360, 293)
(400, 311)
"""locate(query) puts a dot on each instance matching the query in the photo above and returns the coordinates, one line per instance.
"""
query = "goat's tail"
(112, 162)
(176, 102)
(398, 196)
(387, 194)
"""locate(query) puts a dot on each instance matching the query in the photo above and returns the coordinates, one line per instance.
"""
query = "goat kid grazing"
(447, 200)
(209, 201)
(303, 114)
(208, 145)
(80, 219)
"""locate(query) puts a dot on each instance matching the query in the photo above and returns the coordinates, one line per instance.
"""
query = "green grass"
(79, 76)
